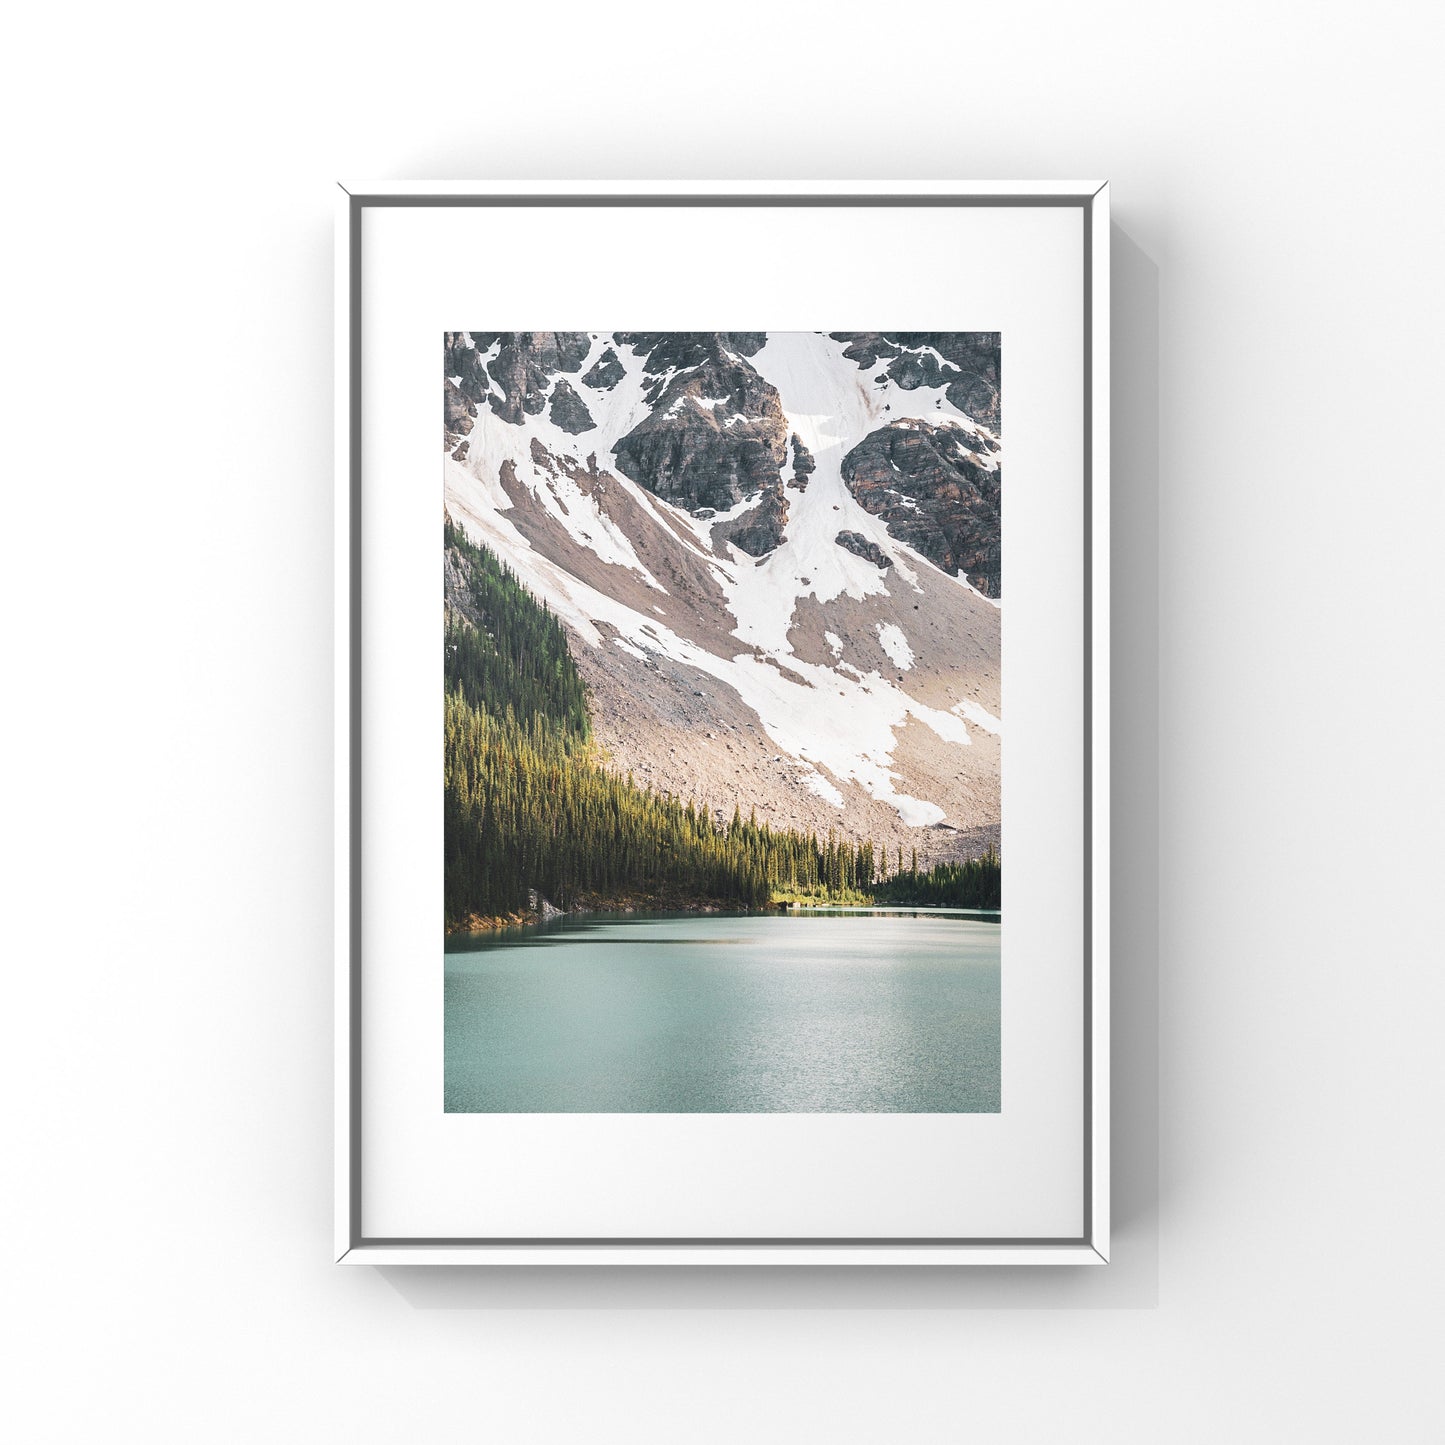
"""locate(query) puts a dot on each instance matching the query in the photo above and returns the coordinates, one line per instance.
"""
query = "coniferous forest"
(971, 884)
(531, 807)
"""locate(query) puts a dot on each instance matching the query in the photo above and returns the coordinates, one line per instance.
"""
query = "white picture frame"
(1090, 1246)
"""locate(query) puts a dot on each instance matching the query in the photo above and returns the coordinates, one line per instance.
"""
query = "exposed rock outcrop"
(860, 546)
(516, 380)
(677, 350)
(803, 464)
(463, 362)
(715, 433)
(605, 372)
(971, 370)
(759, 531)
(525, 364)
(459, 411)
(935, 492)
(569, 411)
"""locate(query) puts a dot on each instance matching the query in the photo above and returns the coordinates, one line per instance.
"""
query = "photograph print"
(722, 733)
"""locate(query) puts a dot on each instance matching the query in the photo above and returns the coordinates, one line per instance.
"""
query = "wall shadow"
(1131, 1280)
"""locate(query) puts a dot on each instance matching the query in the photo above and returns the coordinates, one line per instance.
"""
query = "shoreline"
(543, 911)
(477, 924)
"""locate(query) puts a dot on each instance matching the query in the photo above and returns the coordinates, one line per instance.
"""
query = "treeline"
(976, 883)
(505, 651)
(529, 807)
(528, 804)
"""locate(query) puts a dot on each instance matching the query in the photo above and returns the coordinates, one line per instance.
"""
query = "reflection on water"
(724, 1013)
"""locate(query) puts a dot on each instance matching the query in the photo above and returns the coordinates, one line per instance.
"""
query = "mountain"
(776, 556)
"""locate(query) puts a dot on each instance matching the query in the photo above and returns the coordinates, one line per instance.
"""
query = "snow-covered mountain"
(777, 553)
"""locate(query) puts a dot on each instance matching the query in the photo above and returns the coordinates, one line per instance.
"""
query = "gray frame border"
(356, 206)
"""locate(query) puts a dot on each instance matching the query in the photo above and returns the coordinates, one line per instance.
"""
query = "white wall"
(166, 360)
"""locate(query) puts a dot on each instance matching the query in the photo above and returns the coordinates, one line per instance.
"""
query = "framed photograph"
(722, 723)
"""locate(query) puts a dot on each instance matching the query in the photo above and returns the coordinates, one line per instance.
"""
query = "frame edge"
(349, 1246)
(725, 1256)
(341, 735)
(372, 190)
(1100, 740)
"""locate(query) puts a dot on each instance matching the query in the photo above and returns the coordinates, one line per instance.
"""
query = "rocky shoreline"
(543, 911)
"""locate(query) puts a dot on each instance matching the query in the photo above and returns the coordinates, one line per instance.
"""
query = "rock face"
(676, 350)
(716, 433)
(713, 433)
(524, 366)
(464, 362)
(860, 546)
(759, 531)
(514, 382)
(803, 464)
(605, 372)
(967, 360)
(458, 413)
(936, 493)
(569, 411)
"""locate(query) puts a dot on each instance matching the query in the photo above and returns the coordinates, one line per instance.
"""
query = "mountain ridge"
(753, 625)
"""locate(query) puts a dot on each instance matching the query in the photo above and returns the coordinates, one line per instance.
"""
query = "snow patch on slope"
(815, 782)
(895, 644)
(979, 716)
(494, 442)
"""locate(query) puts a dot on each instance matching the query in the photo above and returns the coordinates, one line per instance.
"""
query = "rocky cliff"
(714, 434)
(937, 488)
(965, 362)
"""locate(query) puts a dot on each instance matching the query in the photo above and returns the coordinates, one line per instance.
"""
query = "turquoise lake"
(800, 1012)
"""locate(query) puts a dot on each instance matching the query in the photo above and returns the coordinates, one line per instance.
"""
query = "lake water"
(837, 1012)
